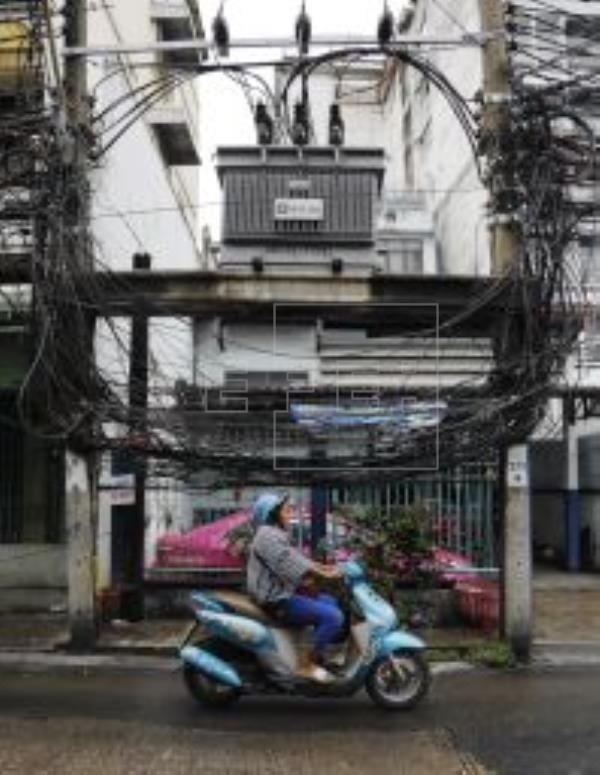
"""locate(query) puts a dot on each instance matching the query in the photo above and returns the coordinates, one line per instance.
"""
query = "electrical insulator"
(300, 127)
(336, 126)
(221, 34)
(303, 30)
(385, 26)
(264, 125)
(406, 17)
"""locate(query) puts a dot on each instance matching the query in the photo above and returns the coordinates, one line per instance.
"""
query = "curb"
(548, 654)
(85, 663)
(44, 662)
(131, 662)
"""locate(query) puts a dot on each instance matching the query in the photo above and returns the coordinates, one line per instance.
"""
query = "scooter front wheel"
(208, 692)
(398, 681)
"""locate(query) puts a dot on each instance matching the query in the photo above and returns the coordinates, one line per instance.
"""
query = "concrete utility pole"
(505, 232)
(517, 559)
(506, 242)
(75, 34)
(81, 503)
(82, 484)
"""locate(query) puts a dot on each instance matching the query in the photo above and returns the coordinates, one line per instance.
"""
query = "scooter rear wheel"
(205, 690)
(398, 681)
(208, 692)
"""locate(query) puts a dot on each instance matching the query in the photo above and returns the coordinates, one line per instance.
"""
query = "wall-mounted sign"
(122, 497)
(517, 467)
(299, 185)
(299, 210)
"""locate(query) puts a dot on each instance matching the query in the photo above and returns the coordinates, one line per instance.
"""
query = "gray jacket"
(275, 568)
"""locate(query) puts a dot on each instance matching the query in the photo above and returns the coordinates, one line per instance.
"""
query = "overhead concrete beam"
(389, 302)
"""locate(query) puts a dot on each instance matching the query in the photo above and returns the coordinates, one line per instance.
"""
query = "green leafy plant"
(395, 546)
(496, 654)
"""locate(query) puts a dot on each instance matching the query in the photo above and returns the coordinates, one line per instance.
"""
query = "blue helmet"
(265, 507)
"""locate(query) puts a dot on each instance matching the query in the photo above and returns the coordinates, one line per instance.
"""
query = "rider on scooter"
(279, 577)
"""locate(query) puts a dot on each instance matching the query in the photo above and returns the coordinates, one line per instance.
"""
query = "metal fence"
(11, 475)
(461, 504)
(31, 483)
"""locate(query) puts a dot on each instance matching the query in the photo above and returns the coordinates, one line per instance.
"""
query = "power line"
(473, 39)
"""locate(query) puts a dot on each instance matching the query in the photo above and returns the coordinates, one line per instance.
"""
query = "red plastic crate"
(479, 603)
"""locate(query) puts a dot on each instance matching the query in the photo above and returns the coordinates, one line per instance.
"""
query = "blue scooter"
(242, 650)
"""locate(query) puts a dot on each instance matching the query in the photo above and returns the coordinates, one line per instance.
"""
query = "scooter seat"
(243, 605)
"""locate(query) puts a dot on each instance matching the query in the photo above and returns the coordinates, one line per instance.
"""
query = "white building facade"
(555, 43)
(144, 201)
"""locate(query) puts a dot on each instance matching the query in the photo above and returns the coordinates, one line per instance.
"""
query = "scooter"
(242, 650)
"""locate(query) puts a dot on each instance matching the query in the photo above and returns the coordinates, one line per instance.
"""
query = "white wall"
(140, 204)
(33, 578)
(253, 348)
(443, 160)
(33, 566)
(133, 175)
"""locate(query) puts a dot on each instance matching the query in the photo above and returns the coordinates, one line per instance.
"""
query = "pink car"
(208, 547)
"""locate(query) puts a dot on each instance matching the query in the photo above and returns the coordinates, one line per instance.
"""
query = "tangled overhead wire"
(541, 173)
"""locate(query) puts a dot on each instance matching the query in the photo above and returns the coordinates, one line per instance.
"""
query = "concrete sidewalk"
(40, 641)
(37, 642)
(49, 633)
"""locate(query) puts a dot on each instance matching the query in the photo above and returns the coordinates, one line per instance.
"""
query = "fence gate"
(460, 501)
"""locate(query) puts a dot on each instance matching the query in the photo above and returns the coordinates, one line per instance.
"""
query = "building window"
(409, 167)
(583, 40)
(583, 45)
(409, 160)
(407, 258)
(121, 462)
(171, 30)
(265, 380)
(589, 259)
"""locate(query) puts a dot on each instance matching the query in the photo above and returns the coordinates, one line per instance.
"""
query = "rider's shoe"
(311, 668)
(316, 673)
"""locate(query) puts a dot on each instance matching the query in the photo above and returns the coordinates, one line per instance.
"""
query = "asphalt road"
(517, 722)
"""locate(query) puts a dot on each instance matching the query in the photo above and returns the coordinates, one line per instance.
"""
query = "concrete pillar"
(81, 510)
(318, 526)
(517, 552)
(133, 602)
(572, 494)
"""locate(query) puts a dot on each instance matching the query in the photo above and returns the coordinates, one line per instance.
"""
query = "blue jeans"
(322, 611)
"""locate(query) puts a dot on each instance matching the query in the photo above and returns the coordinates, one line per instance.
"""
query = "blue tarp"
(405, 415)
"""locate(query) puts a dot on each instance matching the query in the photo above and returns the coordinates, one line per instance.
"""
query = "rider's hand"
(329, 572)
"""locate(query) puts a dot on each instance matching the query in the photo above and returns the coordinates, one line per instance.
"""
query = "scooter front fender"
(211, 666)
(204, 602)
(399, 640)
